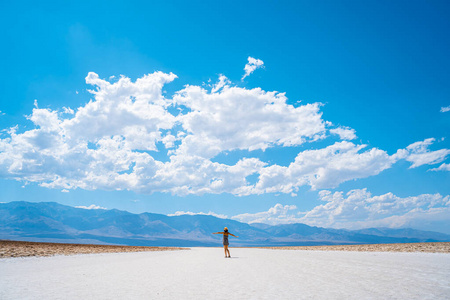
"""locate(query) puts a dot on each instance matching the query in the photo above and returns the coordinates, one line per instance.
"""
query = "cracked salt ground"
(203, 273)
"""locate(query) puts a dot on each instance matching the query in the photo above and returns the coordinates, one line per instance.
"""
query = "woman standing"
(225, 240)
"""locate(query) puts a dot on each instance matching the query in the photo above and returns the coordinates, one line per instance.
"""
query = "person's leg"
(225, 249)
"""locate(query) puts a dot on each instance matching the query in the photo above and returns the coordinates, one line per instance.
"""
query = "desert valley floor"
(204, 273)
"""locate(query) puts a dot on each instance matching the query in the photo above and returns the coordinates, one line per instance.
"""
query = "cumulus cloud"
(360, 209)
(251, 66)
(344, 133)
(132, 137)
(324, 168)
(419, 154)
(279, 214)
(238, 118)
(445, 109)
(92, 206)
(182, 213)
(443, 167)
(68, 110)
(223, 81)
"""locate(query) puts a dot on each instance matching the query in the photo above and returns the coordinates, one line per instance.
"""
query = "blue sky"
(342, 121)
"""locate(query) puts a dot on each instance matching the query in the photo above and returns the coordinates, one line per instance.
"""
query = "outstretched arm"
(233, 235)
(217, 233)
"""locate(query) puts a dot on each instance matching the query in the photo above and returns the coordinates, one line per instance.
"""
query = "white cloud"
(443, 167)
(344, 133)
(238, 118)
(223, 81)
(252, 65)
(360, 209)
(445, 109)
(92, 206)
(324, 168)
(419, 154)
(111, 143)
(68, 110)
(181, 213)
(278, 214)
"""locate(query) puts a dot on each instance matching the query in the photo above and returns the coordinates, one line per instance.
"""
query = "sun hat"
(225, 228)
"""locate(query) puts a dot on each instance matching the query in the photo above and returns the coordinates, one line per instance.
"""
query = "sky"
(329, 113)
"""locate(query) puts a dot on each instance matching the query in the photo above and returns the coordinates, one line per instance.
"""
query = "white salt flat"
(202, 273)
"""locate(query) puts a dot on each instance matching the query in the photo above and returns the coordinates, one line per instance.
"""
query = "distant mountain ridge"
(53, 222)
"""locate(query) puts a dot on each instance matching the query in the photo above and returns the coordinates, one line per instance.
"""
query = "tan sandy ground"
(22, 249)
(413, 247)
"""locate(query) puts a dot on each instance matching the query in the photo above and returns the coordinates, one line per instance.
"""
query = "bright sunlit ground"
(204, 273)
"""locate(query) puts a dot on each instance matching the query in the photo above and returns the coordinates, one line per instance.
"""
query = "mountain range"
(53, 222)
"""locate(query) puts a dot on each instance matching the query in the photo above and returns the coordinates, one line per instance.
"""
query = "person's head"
(225, 229)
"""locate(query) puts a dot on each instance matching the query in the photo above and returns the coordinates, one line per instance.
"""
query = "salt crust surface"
(204, 273)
